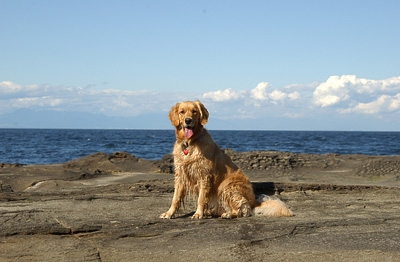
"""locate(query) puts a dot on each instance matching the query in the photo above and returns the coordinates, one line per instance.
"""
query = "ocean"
(50, 146)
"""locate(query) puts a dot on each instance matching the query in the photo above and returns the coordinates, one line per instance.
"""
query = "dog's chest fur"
(193, 165)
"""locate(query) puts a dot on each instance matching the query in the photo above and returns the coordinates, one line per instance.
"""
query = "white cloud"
(277, 95)
(111, 102)
(334, 90)
(328, 100)
(260, 91)
(395, 103)
(349, 88)
(8, 87)
(221, 96)
(347, 96)
(260, 95)
(372, 107)
(28, 102)
(383, 104)
(258, 101)
(344, 94)
(294, 96)
(11, 89)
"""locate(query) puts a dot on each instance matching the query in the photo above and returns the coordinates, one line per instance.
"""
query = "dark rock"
(166, 164)
(5, 187)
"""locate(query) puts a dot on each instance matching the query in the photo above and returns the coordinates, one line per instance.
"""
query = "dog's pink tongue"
(188, 133)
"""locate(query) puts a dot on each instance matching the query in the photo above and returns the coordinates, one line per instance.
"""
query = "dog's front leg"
(179, 193)
(201, 201)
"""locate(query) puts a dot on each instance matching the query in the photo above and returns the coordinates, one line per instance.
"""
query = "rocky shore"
(105, 207)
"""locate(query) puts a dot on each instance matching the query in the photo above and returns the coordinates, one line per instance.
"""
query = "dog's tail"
(271, 207)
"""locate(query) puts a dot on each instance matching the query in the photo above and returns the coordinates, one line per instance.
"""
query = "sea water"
(49, 146)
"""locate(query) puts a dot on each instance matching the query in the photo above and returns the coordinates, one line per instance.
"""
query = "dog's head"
(188, 117)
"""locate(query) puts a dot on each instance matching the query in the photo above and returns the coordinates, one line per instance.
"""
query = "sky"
(261, 65)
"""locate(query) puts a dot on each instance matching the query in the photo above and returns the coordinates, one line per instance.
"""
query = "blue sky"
(293, 65)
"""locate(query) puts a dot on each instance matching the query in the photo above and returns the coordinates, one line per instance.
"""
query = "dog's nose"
(188, 121)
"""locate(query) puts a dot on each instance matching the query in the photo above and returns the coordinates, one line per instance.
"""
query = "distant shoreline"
(171, 129)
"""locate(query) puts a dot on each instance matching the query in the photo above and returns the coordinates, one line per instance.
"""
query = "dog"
(202, 169)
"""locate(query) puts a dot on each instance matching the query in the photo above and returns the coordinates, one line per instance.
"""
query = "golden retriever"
(203, 170)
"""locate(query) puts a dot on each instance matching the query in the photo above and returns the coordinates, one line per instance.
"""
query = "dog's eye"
(194, 112)
(182, 112)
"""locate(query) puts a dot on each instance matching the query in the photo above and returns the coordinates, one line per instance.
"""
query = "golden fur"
(202, 169)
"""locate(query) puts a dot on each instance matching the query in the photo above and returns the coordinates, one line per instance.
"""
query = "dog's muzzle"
(188, 121)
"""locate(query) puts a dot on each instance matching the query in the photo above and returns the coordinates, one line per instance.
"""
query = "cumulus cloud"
(344, 95)
(223, 95)
(277, 95)
(334, 90)
(254, 102)
(260, 91)
(383, 104)
(349, 88)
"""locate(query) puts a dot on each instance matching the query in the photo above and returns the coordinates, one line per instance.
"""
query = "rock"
(5, 187)
(166, 164)
(120, 223)
(105, 207)
(5, 165)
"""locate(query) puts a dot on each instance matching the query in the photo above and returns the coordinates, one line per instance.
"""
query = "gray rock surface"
(106, 207)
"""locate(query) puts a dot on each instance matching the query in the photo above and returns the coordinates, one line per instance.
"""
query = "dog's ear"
(203, 113)
(174, 115)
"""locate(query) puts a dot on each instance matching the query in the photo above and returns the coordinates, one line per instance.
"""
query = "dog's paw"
(197, 216)
(244, 211)
(166, 215)
(226, 215)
